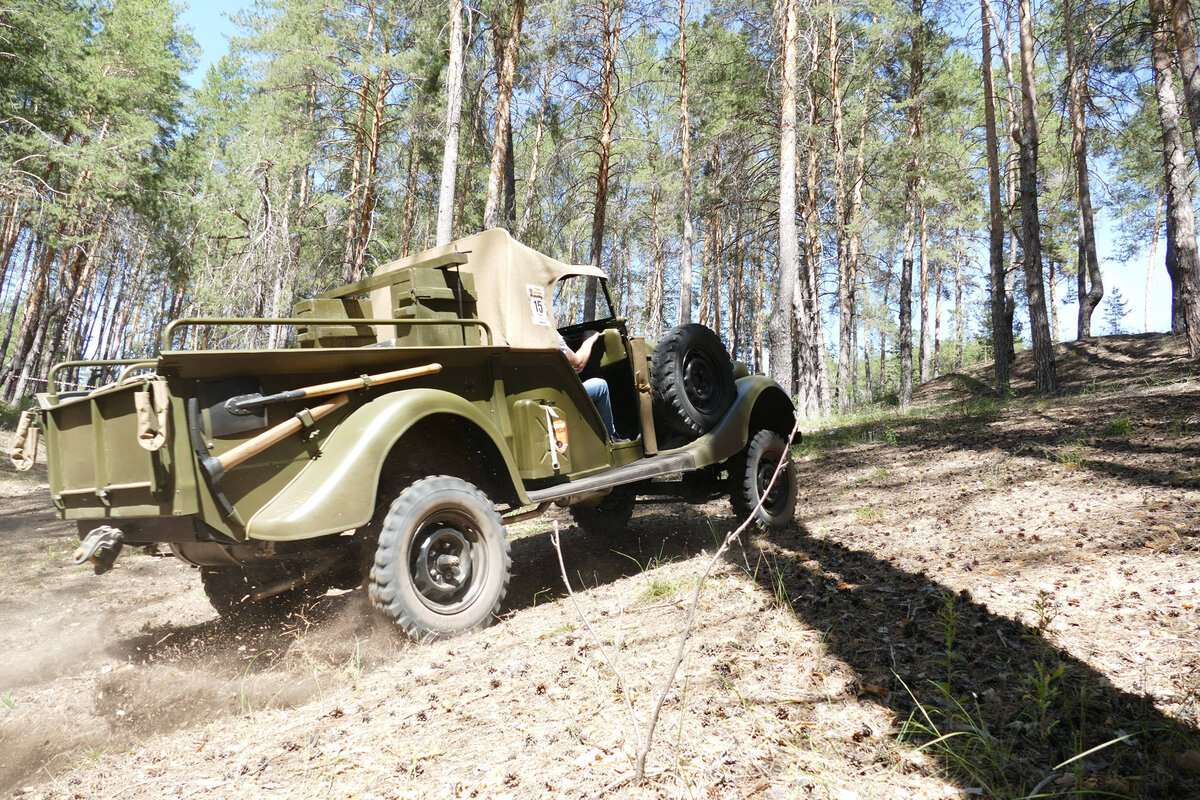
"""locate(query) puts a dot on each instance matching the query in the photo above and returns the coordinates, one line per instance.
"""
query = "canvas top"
(514, 286)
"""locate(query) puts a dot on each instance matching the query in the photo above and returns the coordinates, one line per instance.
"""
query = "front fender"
(336, 490)
(760, 403)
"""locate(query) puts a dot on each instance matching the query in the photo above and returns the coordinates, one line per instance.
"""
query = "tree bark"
(535, 159)
(454, 92)
(1043, 349)
(916, 79)
(654, 299)
(926, 334)
(1001, 322)
(782, 326)
(1189, 64)
(1181, 229)
(685, 256)
(610, 16)
(493, 207)
(1090, 281)
(1149, 263)
(845, 268)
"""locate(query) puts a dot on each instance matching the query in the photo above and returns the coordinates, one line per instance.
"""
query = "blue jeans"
(597, 389)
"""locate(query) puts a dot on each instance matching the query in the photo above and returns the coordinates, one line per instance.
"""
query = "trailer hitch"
(101, 547)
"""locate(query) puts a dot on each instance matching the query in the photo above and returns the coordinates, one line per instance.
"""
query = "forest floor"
(973, 593)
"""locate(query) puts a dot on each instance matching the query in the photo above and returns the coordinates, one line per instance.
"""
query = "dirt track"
(1002, 572)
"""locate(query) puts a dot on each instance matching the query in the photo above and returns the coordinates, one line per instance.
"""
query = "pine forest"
(857, 196)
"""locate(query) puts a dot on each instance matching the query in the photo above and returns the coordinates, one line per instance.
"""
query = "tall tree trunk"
(1181, 232)
(912, 203)
(926, 333)
(1189, 63)
(408, 216)
(685, 256)
(845, 268)
(654, 299)
(501, 141)
(454, 91)
(1001, 321)
(1090, 281)
(960, 312)
(1043, 348)
(535, 159)
(1150, 263)
(810, 362)
(936, 350)
(610, 16)
(782, 326)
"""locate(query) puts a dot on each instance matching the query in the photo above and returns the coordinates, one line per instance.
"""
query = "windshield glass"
(570, 301)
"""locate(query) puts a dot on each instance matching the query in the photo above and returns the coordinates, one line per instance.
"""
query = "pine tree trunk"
(1091, 283)
(454, 92)
(1043, 349)
(912, 204)
(845, 273)
(1001, 321)
(535, 159)
(1150, 263)
(685, 256)
(782, 325)
(500, 141)
(1189, 64)
(654, 300)
(611, 19)
(1181, 229)
(926, 333)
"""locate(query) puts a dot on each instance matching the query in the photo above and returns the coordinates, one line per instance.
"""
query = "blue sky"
(209, 21)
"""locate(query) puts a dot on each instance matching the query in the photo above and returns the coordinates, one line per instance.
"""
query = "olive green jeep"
(413, 415)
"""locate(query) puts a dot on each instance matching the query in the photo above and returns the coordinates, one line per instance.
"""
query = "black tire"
(750, 472)
(608, 518)
(692, 379)
(442, 564)
(231, 590)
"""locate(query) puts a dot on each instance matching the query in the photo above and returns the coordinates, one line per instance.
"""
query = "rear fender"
(336, 491)
(760, 404)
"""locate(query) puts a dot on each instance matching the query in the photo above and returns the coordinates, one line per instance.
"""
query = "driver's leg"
(597, 389)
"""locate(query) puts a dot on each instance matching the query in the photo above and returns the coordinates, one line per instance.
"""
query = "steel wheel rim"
(447, 561)
(766, 469)
(700, 380)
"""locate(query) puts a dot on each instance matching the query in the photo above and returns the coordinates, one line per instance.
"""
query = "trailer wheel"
(750, 473)
(442, 564)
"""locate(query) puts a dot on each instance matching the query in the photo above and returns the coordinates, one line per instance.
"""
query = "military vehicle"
(413, 416)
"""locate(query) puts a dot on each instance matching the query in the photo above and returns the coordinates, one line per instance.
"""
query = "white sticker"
(537, 305)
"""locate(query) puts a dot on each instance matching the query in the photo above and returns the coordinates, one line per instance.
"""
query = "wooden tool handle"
(252, 447)
(350, 384)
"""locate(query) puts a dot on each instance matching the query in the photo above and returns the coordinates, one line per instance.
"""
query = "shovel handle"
(272, 436)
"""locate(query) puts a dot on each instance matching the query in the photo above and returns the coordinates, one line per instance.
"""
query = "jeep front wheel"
(750, 474)
(442, 564)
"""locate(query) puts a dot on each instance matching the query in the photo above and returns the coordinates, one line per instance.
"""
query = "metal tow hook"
(101, 547)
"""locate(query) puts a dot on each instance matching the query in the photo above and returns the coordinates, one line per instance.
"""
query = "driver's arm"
(579, 358)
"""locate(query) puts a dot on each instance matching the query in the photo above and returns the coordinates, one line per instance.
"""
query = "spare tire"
(692, 379)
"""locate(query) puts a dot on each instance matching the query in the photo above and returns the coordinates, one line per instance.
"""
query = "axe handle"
(272, 436)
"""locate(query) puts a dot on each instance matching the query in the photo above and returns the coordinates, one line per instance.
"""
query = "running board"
(643, 469)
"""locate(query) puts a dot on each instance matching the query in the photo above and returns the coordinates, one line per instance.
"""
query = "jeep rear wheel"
(692, 378)
(442, 564)
(750, 474)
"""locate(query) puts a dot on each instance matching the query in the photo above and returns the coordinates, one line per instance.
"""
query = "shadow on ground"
(990, 697)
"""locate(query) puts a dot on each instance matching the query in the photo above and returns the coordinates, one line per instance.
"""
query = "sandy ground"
(972, 594)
